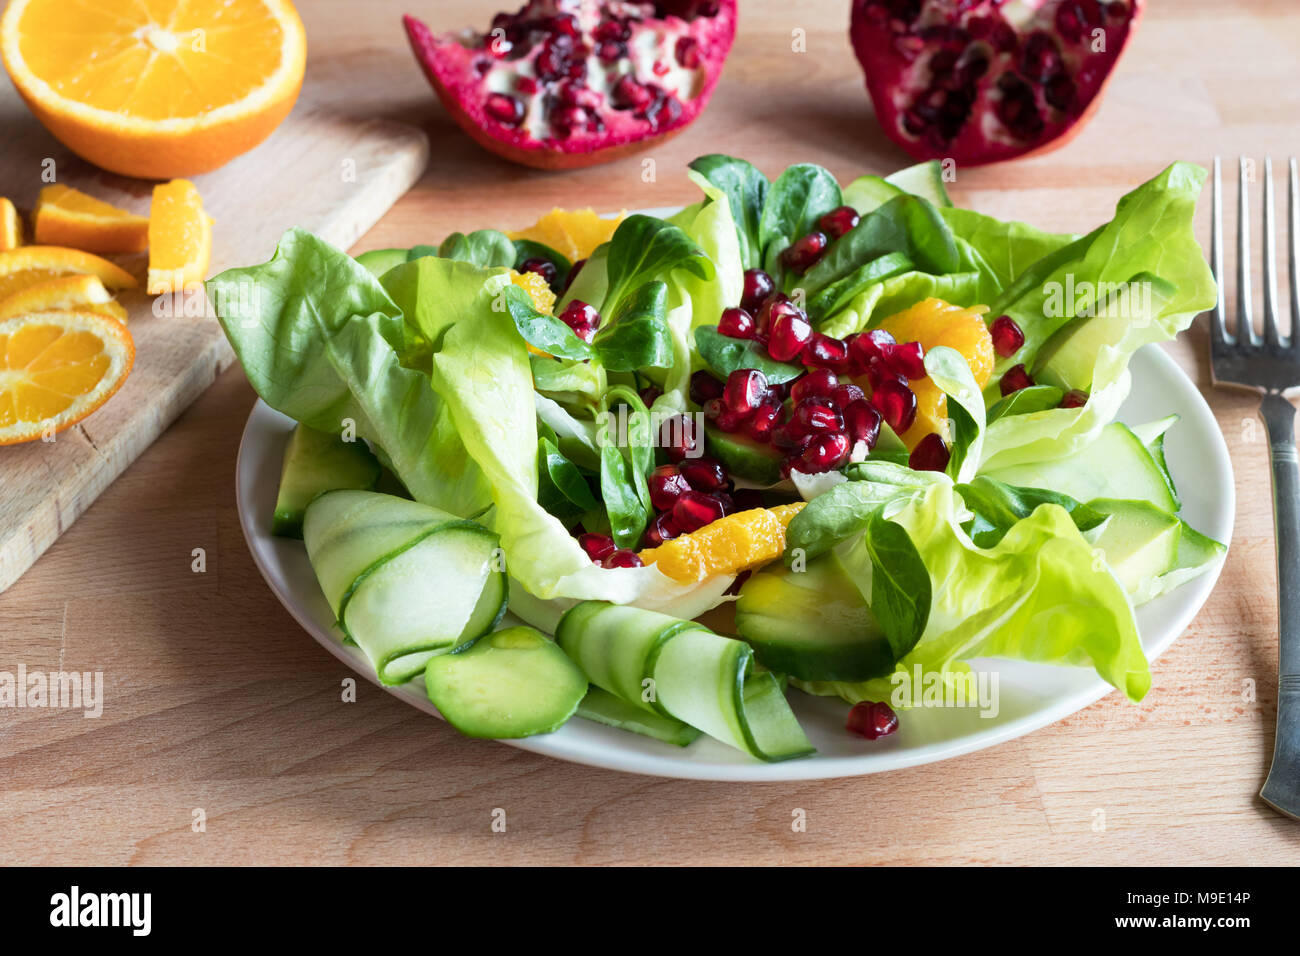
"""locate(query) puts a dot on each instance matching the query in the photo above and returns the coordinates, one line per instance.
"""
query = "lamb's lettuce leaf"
(799, 197)
(745, 189)
(643, 249)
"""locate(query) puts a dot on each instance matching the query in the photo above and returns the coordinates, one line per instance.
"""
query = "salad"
(879, 427)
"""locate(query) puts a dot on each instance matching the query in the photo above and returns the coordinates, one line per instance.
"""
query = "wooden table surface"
(216, 701)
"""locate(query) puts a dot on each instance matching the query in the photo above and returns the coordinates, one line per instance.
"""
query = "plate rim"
(814, 767)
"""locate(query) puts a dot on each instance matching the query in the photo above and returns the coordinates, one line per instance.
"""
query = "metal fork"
(1271, 365)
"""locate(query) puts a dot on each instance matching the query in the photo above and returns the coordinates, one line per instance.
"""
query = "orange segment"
(540, 292)
(56, 368)
(156, 88)
(934, 322)
(68, 217)
(574, 234)
(727, 546)
(11, 226)
(180, 238)
(68, 293)
(28, 265)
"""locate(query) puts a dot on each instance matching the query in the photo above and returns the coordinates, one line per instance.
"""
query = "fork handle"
(1282, 788)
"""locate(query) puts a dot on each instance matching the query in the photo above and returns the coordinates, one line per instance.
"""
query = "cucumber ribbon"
(682, 671)
(405, 581)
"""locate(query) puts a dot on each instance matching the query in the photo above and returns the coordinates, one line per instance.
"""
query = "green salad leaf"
(638, 335)
(745, 189)
(996, 506)
(724, 355)
(485, 248)
(642, 249)
(798, 198)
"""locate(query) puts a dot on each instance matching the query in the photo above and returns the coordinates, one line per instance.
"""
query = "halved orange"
(56, 368)
(573, 233)
(180, 238)
(68, 217)
(66, 293)
(11, 226)
(156, 88)
(28, 265)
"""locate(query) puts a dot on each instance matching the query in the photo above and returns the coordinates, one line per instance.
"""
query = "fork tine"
(1293, 251)
(1220, 339)
(1245, 331)
(1272, 337)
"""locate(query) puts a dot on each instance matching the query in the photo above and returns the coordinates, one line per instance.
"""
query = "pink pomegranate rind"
(956, 79)
(583, 117)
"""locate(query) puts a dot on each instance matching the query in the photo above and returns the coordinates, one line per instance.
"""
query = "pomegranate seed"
(791, 437)
(811, 416)
(867, 346)
(737, 324)
(838, 221)
(622, 558)
(823, 351)
(542, 266)
(819, 383)
(582, 318)
(745, 390)
(758, 286)
(628, 94)
(504, 108)
(1015, 379)
(1074, 398)
(896, 404)
(526, 85)
(1007, 336)
(688, 52)
(845, 395)
(650, 394)
(667, 484)
(694, 509)
(716, 411)
(662, 529)
(907, 359)
(790, 334)
(759, 426)
(774, 306)
(930, 454)
(597, 546)
(862, 422)
(879, 372)
(724, 499)
(704, 387)
(679, 437)
(871, 720)
(804, 253)
(825, 453)
(704, 474)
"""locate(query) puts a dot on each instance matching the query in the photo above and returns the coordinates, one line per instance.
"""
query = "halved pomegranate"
(980, 81)
(568, 83)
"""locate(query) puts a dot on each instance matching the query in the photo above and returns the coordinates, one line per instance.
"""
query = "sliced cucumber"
(1116, 465)
(1139, 540)
(604, 708)
(924, 180)
(435, 595)
(742, 456)
(812, 624)
(1152, 435)
(514, 683)
(1196, 552)
(648, 659)
(316, 462)
(867, 193)
(379, 261)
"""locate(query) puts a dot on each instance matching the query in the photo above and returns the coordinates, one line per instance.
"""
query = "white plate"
(1031, 695)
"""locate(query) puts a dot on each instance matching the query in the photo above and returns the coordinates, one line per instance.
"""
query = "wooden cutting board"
(324, 170)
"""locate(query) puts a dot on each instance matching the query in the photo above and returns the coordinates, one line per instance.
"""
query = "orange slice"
(67, 293)
(156, 88)
(56, 368)
(574, 234)
(729, 545)
(11, 226)
(933, 322)
(180, 238)
(28, 265)
(68, 217)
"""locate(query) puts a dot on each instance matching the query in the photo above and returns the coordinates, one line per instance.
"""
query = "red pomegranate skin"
(922, 63)
(450, 68)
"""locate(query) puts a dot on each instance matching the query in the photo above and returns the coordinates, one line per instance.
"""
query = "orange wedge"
(28, 265)
(729, 545)
(11, 226)
(156, 88)
(574, 234)
(68, 217)
(67, 293)
(180, 238)
(56, 368)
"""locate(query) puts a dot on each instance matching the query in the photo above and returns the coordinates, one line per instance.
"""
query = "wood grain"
(215, 699)
(325, 169)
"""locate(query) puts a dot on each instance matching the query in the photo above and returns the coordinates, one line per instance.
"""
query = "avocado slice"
(1140, 541)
